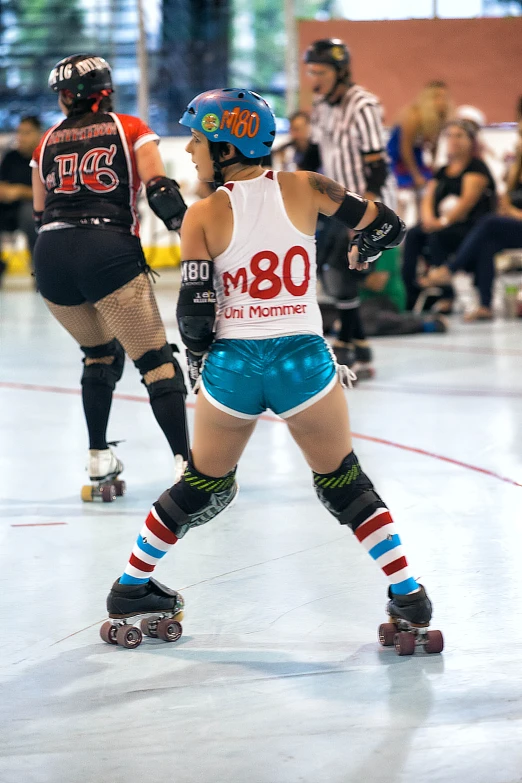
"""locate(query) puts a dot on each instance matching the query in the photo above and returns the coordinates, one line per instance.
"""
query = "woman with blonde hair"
(417, 131)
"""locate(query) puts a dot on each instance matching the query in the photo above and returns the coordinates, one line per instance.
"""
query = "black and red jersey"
(88, 167)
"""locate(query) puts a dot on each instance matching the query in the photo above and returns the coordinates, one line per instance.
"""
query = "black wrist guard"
(352, 210)
(376, 173)
(37, 218)
(196, 309)
(195, 366)
(166, 201)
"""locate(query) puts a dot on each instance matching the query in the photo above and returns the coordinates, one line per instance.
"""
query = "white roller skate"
(104, 468)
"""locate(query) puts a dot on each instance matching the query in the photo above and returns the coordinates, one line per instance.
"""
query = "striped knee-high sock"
(154, 541)
(379, 537)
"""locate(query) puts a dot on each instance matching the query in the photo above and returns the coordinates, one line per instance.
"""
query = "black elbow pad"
(166, 201)
(387, 230)
(196, 309)
(197, 332)
(376, 173)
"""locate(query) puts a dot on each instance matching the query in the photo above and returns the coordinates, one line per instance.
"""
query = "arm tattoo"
(330, 187)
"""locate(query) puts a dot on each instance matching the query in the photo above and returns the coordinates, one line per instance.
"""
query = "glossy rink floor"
(278, 677)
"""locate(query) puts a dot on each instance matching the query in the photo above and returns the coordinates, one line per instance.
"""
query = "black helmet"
(328, 51)
(82, 74)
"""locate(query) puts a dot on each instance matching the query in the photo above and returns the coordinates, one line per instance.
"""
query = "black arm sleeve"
(352, 210)
(196, 309)
(166, 201)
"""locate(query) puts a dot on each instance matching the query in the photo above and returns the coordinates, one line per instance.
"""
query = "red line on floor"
(440, 457)
(267, 417)
(39, 524)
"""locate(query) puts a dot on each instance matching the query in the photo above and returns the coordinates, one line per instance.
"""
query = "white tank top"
(265, 280)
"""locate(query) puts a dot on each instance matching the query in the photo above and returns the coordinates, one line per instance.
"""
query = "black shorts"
(77, 265)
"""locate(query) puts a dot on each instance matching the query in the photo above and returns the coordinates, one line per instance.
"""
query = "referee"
(347, 126)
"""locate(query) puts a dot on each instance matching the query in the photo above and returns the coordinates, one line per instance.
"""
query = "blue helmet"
(240, 117)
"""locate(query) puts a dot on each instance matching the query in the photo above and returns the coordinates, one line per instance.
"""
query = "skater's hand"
(353, 260)
(195, 363)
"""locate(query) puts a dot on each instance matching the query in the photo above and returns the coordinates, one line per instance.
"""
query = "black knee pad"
(348, 493)
(103, 374)
(195, 499)
(154, 359)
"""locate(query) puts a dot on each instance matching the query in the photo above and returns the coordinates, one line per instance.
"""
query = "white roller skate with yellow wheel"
(104, 468)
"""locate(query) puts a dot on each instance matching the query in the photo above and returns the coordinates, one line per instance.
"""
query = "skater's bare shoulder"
(207, 227)
(193, 241)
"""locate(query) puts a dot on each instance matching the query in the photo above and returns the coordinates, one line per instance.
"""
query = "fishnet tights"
(130, 314)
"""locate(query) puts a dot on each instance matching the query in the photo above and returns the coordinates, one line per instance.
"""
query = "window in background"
(187, 44)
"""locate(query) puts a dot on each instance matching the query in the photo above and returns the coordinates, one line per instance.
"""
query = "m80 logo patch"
(240, 122)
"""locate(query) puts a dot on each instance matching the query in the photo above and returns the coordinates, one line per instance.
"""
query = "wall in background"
(480, 59)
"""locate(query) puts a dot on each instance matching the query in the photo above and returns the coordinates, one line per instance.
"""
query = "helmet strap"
(342, 78)
(219, 165)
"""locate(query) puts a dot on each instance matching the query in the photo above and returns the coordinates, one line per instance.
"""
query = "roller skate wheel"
(129, 636)
(120, 487)
(434, 642)
(404, 643)
(387, 633)
(108, 632)
(87, 493)
(147, 627)
(108, 493)
(169, 630)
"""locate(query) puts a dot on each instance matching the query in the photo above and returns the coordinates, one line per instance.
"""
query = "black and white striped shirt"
(347, 131)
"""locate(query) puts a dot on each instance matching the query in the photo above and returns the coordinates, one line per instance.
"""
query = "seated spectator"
(491, 235)
(16, 195)
(383, 302)
(461, 193)
(298, 154)
(416, 133)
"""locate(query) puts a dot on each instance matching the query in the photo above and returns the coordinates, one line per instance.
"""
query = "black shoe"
(363, 353)
(415, 608)
(131, 600)
(362, 366)
(345, 354)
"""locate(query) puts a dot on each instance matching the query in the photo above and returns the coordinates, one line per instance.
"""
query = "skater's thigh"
(83, 322)
(322, 431)
(133, 316)
(219, 438)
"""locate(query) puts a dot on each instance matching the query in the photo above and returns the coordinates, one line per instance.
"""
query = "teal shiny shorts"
(285, 374)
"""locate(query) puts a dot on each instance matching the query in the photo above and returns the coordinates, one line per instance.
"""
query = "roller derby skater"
(249, 252)
(89, 263)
